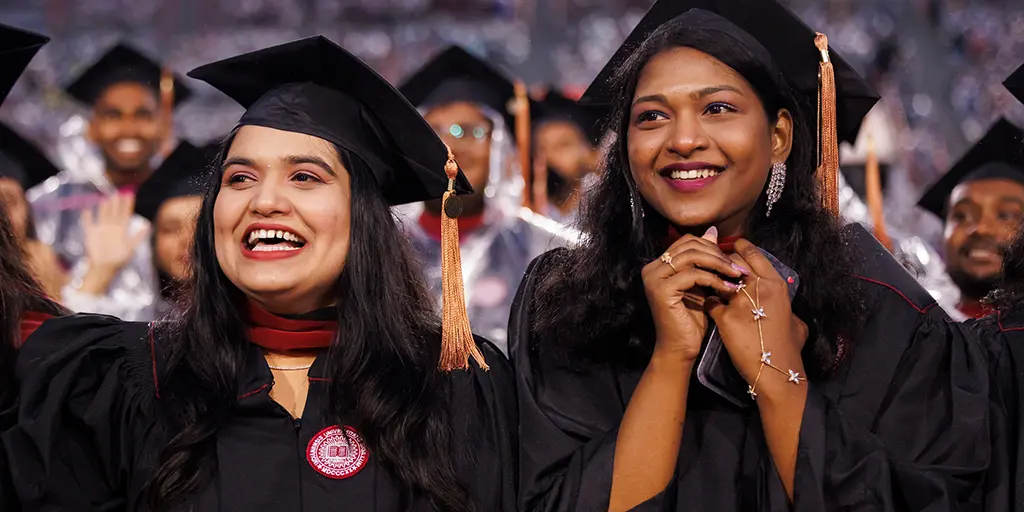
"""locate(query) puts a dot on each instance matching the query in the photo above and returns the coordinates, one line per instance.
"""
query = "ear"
(782, 136)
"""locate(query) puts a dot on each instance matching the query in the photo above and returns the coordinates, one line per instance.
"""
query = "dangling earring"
(775, 185)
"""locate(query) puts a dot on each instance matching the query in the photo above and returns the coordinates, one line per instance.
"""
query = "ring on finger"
(667, 258)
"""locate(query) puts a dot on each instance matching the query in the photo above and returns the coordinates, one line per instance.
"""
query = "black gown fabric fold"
(902, 425)
(89, 431)
(1002, 337)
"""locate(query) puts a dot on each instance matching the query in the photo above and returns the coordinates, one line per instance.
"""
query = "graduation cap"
(457, 75)
(122, 63)
(773, 34)
(17, 47)
(315, 87)
(558, 107)
(181, 174)
(998, 155)
(23, 161)
(1015, 83)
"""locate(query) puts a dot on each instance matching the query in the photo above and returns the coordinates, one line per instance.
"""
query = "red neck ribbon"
(280, 334)
(431, 224)
(727, 244)
(30, 321)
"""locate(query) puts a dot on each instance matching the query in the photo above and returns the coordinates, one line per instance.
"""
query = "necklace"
(289, 368)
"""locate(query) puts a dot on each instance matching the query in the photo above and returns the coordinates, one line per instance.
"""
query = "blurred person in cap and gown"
(23, 165)
(468, 103)
(866, 169)
(566, 135)
(1002, 334)
(88, 219)
(981, 203)
(306, 370)
(651, 380)
(23, 303)
(170, 200)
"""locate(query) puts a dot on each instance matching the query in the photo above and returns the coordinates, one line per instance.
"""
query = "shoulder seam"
(919, 309)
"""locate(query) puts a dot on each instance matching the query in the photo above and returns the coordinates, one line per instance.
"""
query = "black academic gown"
(89, 431)
(1003, 338)
(900, 426)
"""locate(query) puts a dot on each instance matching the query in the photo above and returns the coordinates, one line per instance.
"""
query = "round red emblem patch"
(337, 453)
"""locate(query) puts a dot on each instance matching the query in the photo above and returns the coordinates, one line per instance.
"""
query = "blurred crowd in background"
(937, 63)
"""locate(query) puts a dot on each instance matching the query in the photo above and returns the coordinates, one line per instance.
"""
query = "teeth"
(263, 234)
(272, 248)
(129, 145)
(694, 174)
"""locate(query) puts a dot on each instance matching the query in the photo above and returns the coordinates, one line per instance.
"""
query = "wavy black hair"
(591, 298)
(19, 293)
(1009, 296)
(382, 366)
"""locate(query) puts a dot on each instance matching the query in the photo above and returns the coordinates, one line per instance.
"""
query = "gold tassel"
(523, 136)
(457, 343)
(828, 138)
(167, 109)
(873, 186)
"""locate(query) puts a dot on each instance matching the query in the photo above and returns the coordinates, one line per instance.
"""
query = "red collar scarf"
(30, 321)
(975, 310)
(431, 225)
(281, 334)
(727, 244)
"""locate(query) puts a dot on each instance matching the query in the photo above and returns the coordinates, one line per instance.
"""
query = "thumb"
(714, 307)
(711, 235)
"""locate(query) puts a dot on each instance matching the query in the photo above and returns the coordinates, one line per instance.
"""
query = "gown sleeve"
(486, 422)
(86, 402)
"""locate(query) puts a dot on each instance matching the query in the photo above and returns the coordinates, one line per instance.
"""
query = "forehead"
(9, 186)
(456, 112)
(262, 143)
(179, 207)
(685, 70)
(127, 94)
(986, 191)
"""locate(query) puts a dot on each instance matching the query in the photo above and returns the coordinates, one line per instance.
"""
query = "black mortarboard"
(998, 155)
(316, 87)
(182, 173)
(456, 75)
(772, 33)
(23, 161)
(17, 47)
(557, 107)
(122, 63)
(1015, 83)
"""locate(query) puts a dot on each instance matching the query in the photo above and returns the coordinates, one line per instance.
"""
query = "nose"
(688, 136)
(269, 200)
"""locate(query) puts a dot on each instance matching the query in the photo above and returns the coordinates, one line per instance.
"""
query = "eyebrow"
(1010, 199)
(702, 93)
(290, 159)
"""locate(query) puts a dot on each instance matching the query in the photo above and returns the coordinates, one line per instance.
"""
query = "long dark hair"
(19, 293)
(591, 297)
(383, 365)
(1009, 297)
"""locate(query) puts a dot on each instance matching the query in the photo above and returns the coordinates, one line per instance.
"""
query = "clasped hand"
(695, 280)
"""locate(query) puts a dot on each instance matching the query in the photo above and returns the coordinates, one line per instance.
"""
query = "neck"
(973, 307)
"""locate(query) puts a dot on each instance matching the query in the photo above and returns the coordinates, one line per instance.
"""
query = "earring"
(775, 185)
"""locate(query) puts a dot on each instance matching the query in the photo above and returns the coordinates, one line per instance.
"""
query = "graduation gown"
(1003, 339)
(900, 426)
(89, 431)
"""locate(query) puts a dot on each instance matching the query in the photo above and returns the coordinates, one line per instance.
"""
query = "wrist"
(777, 394)
(676, 360)
(97, 279)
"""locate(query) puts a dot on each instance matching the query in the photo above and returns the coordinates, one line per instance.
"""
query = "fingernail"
(732, 286)
(740, 269)
(712, 231)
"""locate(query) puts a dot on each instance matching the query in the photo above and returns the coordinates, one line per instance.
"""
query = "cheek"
(227, 213)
